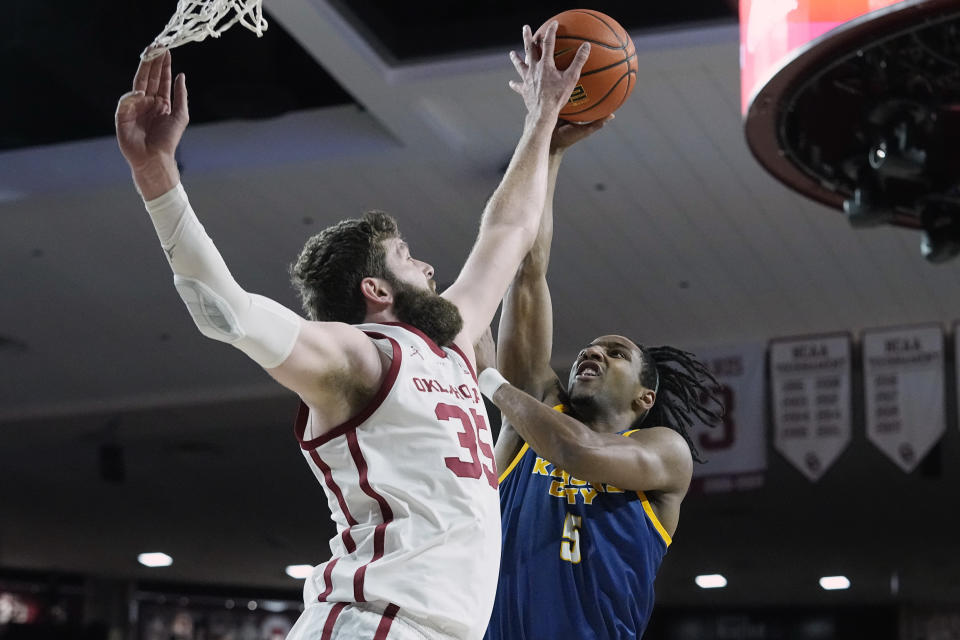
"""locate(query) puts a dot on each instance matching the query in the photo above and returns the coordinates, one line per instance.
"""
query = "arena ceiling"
(666, 229)
(83, 50)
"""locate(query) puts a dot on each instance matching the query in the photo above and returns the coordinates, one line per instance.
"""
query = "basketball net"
(194, 20)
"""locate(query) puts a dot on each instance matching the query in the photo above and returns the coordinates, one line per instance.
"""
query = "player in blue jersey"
(592, 473)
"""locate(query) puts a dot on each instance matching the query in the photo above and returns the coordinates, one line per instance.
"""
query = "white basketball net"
(194, 20)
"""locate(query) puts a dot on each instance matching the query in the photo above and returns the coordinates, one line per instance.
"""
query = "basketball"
(608, 76)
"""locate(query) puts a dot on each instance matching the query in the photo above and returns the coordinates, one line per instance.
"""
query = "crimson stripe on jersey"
(327, 582)
(412, 329)
(465, 359)
(332, 620)
(335, 490)
(384, 627)
(300, 426)
(360, 575)
(386, 514)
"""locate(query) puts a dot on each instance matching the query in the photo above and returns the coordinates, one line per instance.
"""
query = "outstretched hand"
(567, 134)
(545, 89)
(150, 120)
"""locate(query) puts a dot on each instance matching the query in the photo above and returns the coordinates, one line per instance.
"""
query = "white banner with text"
(903, 381)
(810, 385)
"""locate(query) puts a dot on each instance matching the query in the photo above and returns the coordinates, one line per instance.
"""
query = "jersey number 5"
(570, 544)
(469, 440)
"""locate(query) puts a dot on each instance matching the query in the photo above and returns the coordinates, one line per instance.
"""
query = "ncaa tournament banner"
(735, 450)
(903, 380)
(810, 385)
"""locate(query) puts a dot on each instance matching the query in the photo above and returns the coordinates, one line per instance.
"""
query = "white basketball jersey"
(412, 486)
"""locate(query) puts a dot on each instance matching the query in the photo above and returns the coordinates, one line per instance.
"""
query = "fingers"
(527, 45)
(518, 63)
(165, 76)
(579, 60)
(549, 40)
(598, 124)
(153, 51)
(567, 134)
(516, 86)
(143, 72)
(594, 126)
(180, 110)
(153, 78)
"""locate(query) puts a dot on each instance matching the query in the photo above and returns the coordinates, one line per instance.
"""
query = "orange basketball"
(611, 70)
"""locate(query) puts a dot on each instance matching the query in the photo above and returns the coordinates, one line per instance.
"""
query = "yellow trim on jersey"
(646, 506)
(523, 450)
(653, 518)
(513, 464)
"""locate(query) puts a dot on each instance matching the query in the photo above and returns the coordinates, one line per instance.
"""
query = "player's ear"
(644, 399)
(376, 291)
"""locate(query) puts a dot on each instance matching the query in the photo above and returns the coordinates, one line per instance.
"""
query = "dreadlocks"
(685, 390)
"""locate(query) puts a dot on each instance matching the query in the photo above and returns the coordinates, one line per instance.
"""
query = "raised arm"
(526, 320)
(319, 361)
(512, 215)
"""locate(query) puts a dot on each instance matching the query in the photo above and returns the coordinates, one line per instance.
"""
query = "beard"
(438, 318)
(582, 404)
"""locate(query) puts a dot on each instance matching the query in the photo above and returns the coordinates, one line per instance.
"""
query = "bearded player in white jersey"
(391, 420)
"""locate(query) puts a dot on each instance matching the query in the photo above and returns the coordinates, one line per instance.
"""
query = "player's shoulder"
(334, 354)
(659, 433)
(332, 362)
(325, 326)
(665, 441)
(335, 335)
(373, 337)
(669, 451)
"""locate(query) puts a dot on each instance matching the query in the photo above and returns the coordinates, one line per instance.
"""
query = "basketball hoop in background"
(194, 20)
(856, 104)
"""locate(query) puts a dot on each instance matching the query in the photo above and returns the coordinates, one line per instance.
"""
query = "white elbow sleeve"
(270, 331)
(263, 329)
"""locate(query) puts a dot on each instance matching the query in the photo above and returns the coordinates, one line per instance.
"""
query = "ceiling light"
(832, 583)
(711, 581)
(155, 559)
(299, 571)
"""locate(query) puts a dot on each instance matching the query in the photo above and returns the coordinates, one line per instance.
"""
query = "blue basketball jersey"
(578, 561)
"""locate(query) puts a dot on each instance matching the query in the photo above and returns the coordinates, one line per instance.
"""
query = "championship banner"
(903, 380)
(736, 449)
(810, 380)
